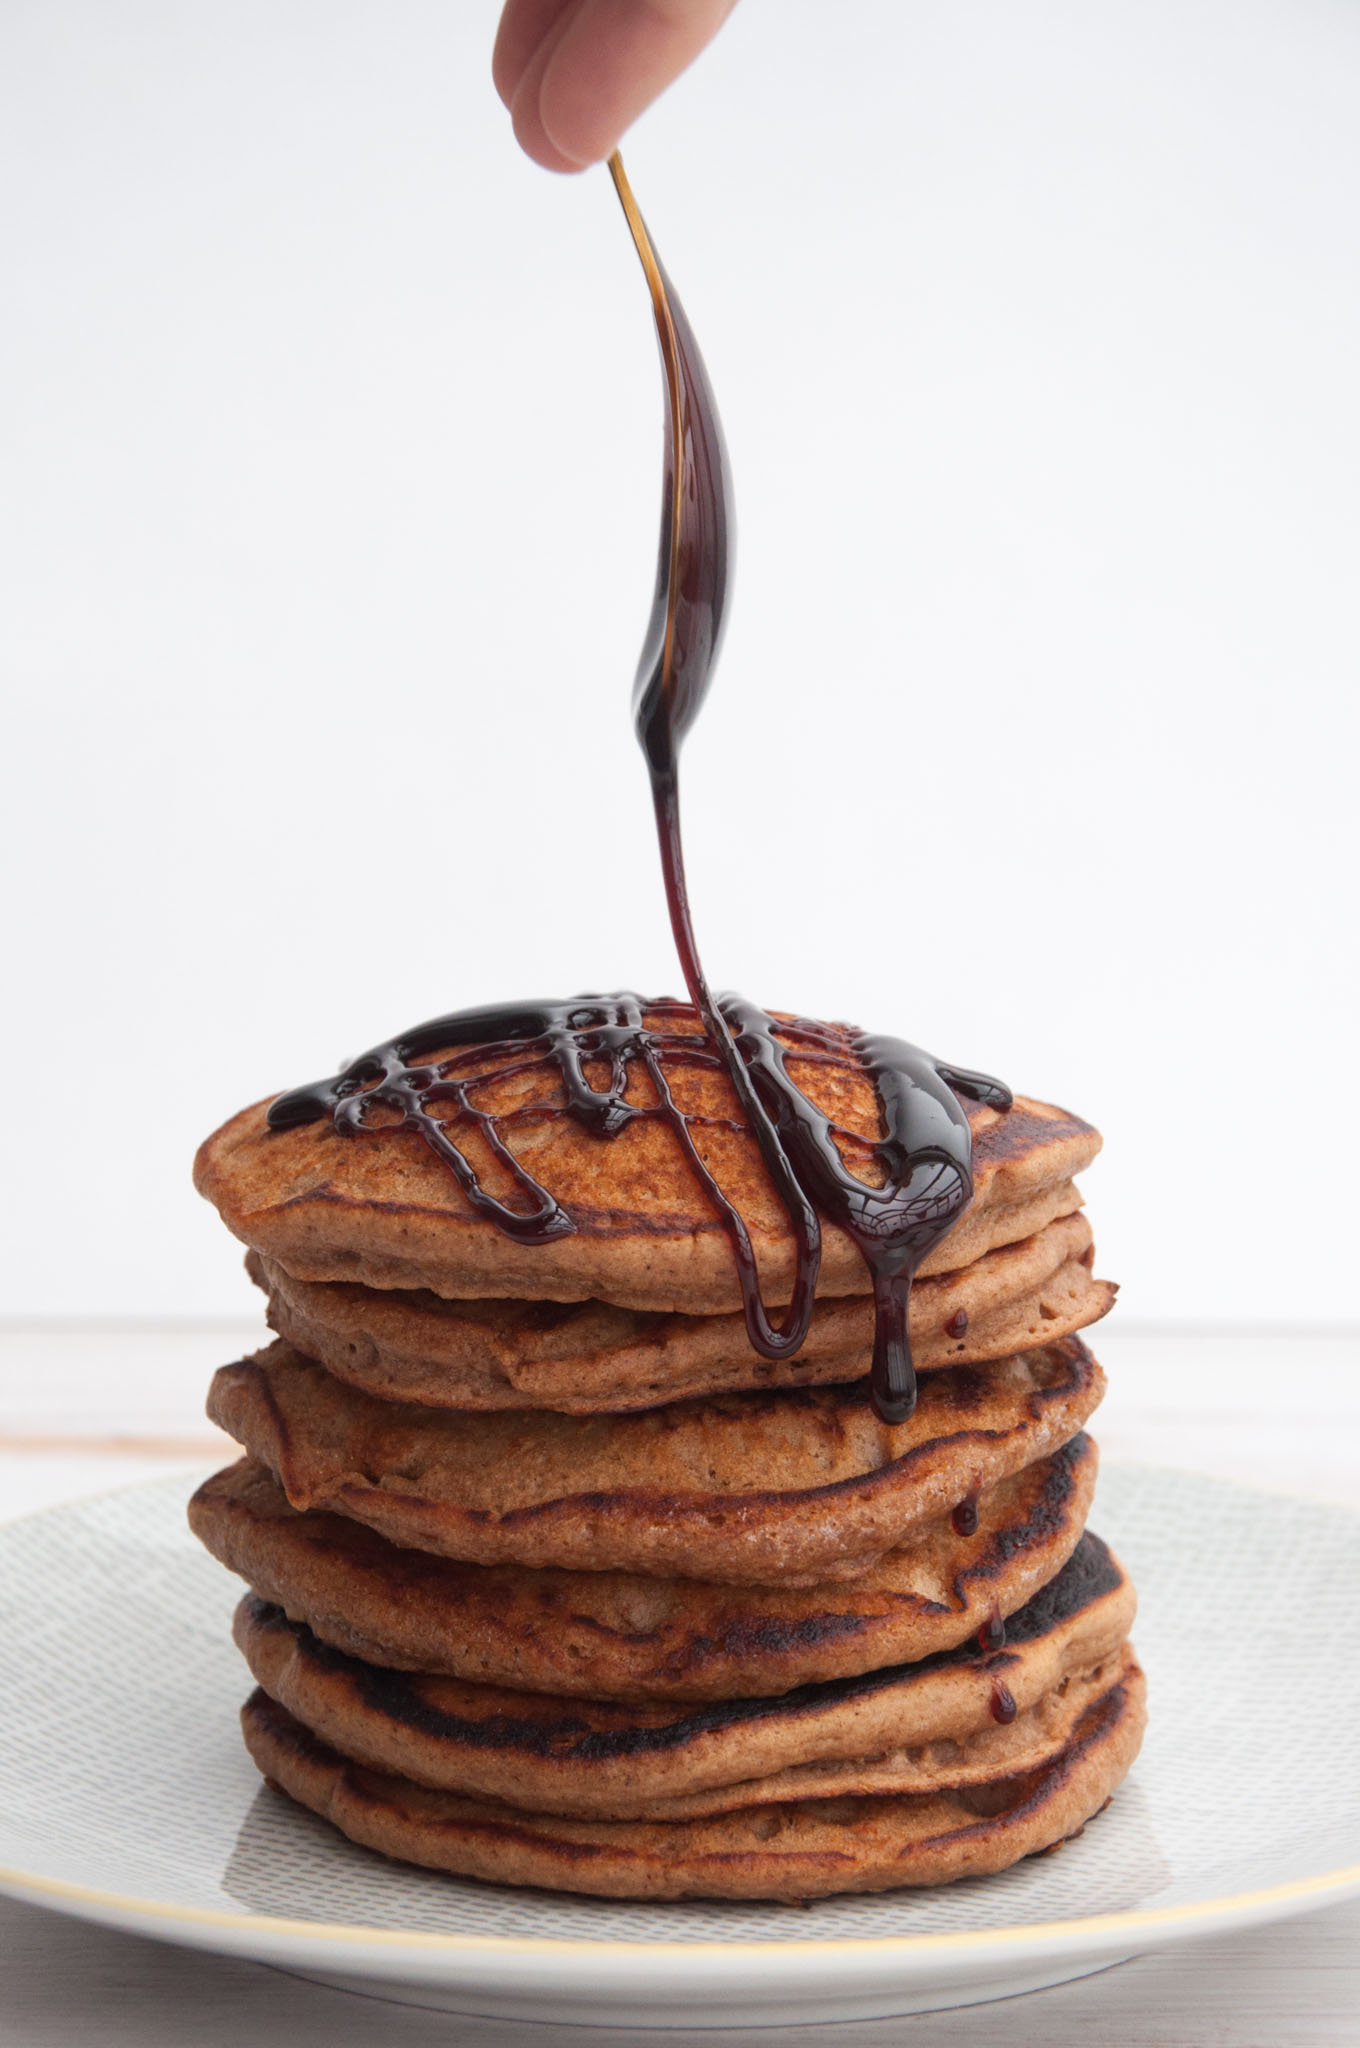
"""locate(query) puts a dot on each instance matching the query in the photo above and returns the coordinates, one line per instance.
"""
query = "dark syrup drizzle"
(925, 1153)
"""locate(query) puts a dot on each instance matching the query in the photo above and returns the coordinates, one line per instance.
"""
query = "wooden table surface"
(84, 1409)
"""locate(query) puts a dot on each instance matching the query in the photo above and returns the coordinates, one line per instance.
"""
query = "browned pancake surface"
(557, 1754)
(806, 1848)
(616, 1635)
(588, 1357)
(784, 1489)
(381, 1209)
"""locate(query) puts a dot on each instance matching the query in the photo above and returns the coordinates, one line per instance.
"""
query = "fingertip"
(609, 61)
(531, 135)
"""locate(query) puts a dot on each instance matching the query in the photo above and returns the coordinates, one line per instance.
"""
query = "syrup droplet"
(965, 1515)
(957, 1324)
(1003, 1707)
(992, 1635)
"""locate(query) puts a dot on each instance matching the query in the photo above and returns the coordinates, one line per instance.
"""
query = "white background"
(331, 445)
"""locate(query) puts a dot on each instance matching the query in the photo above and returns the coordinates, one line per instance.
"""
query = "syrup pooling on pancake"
(924, 1156)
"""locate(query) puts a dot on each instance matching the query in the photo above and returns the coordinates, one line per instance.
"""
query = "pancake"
(805, 1848)
(1031, 1739)
(582, 1358)
(561, 1755)
(616, 1635)
(380, 1208)
(792, 1488)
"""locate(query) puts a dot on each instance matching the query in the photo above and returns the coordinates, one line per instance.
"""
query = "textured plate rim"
(1096, 1930)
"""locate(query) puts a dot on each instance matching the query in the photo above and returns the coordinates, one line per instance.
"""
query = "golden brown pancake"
(805, 1848)
(556, 1754)
(380, 1209)
(791, 1488)
(587, 1357)
(617, 1635)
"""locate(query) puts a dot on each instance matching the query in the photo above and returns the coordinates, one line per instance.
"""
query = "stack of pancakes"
(556, 1581)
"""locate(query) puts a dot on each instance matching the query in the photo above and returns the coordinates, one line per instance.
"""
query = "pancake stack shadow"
(575, 1590)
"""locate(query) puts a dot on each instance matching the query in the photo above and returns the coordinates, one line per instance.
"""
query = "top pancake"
(382, 1210)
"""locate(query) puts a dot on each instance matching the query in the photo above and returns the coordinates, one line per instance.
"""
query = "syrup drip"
(925, 1152)
(1003, 1707)
(992, 1635)
(965, 1515)
(957, 1324)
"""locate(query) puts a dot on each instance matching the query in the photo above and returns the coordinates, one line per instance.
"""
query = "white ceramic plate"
(126, 1797)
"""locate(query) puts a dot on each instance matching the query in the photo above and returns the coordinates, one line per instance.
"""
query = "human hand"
(576, 73)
